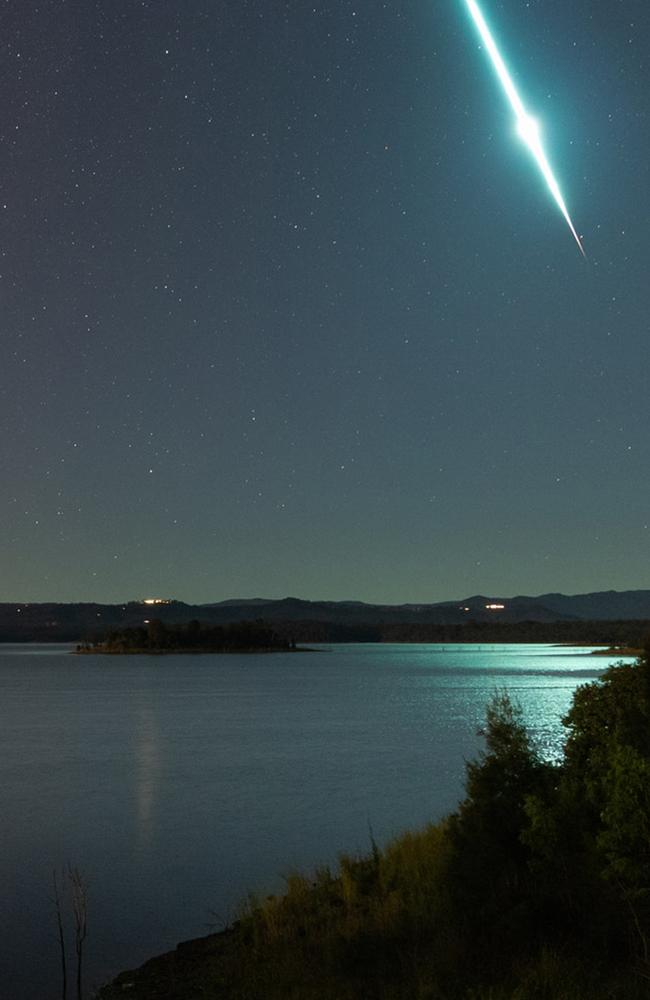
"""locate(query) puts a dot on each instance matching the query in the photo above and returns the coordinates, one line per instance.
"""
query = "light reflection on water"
(147, 773)
(179, 783)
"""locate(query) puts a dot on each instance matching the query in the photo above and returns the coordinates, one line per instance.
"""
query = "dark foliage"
(192, 636)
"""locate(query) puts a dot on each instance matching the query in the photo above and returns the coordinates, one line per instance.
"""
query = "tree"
(490, 879)
(79, 893)
(589, 830)
(156, 634)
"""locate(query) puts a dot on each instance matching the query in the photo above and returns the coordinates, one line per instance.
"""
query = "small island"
(155, 637)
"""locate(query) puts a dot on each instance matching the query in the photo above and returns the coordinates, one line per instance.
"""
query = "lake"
(177, 784)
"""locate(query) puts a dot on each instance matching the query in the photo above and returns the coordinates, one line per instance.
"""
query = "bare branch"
(59, 922)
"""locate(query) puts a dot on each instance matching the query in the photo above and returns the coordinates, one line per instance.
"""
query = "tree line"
(193, 636)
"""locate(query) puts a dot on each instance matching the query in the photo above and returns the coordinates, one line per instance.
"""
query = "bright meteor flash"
(527, 126)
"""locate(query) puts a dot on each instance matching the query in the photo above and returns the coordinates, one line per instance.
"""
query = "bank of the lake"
(617, 651)
(101, 650)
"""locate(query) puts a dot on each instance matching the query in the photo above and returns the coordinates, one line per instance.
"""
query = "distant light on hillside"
(156, 600)
(494, 607)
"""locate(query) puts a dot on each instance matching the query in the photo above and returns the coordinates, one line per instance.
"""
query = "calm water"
(179, 783)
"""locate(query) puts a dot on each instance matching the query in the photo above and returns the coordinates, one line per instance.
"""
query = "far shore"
(99, 650)
(617, 651)
(601, 650)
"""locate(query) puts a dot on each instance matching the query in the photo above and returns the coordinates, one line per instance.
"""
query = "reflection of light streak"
(526, 126)
(147, 758)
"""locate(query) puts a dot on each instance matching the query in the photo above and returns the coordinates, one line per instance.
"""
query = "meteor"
(527, 126)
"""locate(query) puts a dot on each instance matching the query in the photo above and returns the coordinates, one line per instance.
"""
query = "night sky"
(288, 309)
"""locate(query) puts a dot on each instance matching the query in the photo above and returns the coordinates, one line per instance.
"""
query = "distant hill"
(603, 604)
(347, 620)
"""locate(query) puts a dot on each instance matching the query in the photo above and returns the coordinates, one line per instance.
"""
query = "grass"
(379, 927)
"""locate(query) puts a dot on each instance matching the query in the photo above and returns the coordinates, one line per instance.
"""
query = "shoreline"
(158, 974)
(188, 651)
(617, 651)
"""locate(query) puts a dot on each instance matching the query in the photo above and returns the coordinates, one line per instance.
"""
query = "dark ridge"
(79, 621)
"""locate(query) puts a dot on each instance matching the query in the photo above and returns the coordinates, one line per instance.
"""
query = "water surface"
(179, 783)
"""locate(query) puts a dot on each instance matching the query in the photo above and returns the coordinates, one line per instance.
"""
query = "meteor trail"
(526, 125)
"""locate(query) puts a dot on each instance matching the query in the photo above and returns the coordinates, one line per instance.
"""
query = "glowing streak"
(526, 126)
